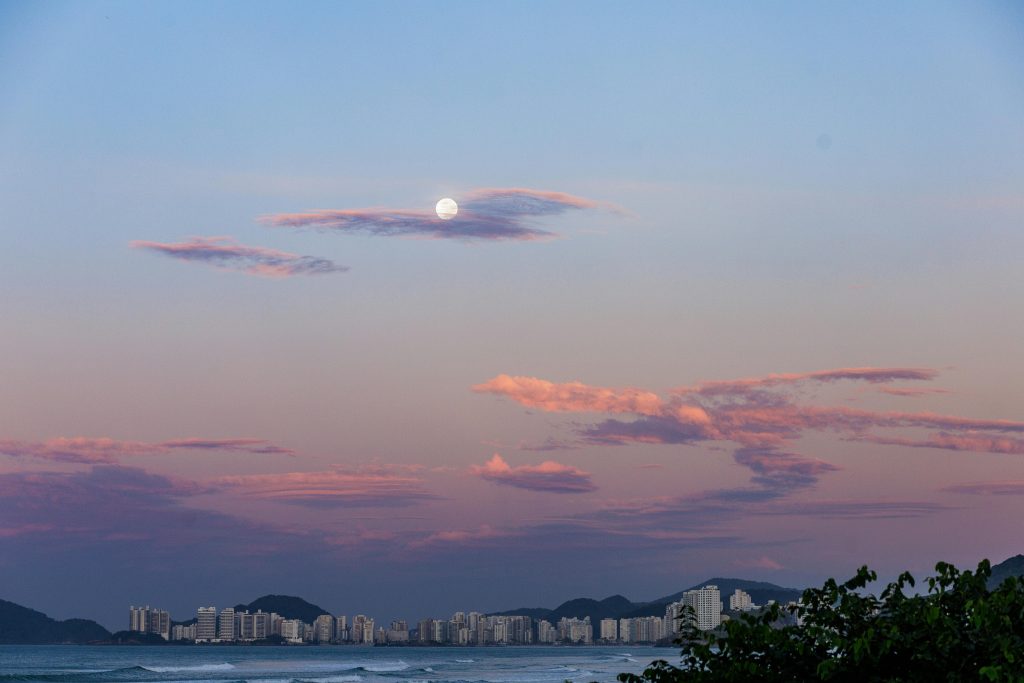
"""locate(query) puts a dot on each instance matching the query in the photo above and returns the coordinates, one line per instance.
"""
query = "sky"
(733, 290)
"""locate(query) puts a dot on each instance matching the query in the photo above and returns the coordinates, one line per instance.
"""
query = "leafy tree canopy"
(960, 630)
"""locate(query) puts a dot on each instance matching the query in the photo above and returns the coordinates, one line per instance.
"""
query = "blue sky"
(799, 187)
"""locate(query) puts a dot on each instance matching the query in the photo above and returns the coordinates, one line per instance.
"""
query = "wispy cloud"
(227, 254)
(490, 214)
(340, 486)
(968, 441)
(548, 444)
(868, 374)
(760, 414)
(989, 488)
(855, 509)
(912, 392)
(83, 449)
(547, 477)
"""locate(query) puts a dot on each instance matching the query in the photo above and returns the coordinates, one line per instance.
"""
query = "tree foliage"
(960, 630)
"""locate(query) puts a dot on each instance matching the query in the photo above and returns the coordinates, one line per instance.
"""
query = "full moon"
(446, 209)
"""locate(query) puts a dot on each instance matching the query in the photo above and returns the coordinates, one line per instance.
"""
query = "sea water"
(323, 664)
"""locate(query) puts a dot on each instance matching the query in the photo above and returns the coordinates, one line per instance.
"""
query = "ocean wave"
(336, 667)
(328, 679)
(223, 666)
(383, 667)
(78, 675)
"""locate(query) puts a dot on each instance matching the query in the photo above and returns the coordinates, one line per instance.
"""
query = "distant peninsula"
(23, 626)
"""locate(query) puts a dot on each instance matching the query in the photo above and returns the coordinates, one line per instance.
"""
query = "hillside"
(760, 592)
(21, 625)
(617, 607)
(288, 606)
(1005, 569)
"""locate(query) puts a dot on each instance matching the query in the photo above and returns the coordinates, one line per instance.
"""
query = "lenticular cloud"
(494, 214)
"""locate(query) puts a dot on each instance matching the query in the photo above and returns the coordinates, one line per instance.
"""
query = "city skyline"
(723, 291)
(231, 624)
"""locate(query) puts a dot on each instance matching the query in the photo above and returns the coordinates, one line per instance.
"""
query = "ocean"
(326, 664)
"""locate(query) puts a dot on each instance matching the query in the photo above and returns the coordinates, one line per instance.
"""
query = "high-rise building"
(292, 630)
(261, 625)
(627, 631)
(181, 632)
(160, 623)
(399, 632)
(253, 626)
(359, 628)
(740, 601)
(150, 620)
(609, 630)
(673, 625)
(226, 629)
(323, 629)
(138, 618)
(647, 629)
(500, 631)
(246, 626)
(206, 623)
(546, 633)
(341, 629)
(275, 624)
(575, 630)
(707, 606)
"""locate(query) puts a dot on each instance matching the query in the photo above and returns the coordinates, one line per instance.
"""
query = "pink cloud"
(371, 486)
(759, 414)
(911, 392)
(225, 253)
(82, 449)
(574, 397)
(548, 477)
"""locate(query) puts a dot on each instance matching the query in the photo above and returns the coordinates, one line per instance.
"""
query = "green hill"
(579, 607)
(618, 607)
(1005, 569)
(760, 593)
(288, 606)
(21, 625)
